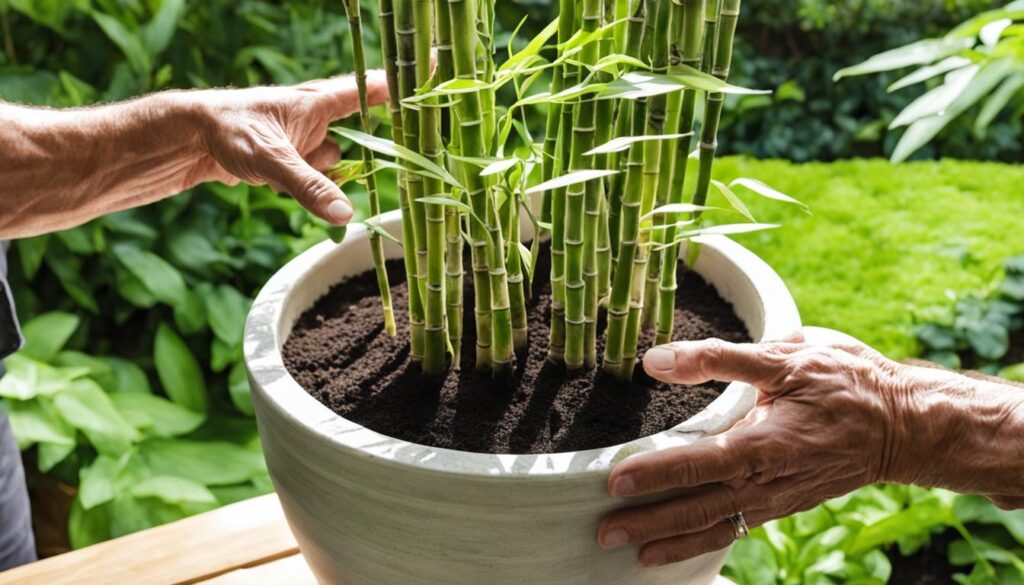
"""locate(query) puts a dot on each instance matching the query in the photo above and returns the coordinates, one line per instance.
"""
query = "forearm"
(64, 167)
(962, 433)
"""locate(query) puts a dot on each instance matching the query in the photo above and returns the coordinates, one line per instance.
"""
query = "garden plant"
(627, 80)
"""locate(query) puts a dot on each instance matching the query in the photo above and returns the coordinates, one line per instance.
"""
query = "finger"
(324, 156)
(794, 336)
(696, 362)
(339, 96)
(726, 457)
(683, 515)
(688, 546)
(293, 175)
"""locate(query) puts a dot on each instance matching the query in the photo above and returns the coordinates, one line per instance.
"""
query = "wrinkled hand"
(826, 423)
(278, 136)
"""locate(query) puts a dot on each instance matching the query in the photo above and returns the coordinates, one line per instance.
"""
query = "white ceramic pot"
(368, 509)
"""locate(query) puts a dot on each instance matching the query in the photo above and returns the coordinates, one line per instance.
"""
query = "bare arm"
(61, 168)
(833, 416)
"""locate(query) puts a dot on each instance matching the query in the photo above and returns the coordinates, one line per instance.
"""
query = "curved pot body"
(368, 509)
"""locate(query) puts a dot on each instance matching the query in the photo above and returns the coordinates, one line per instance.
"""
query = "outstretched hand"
(827, 421)
(278, 136)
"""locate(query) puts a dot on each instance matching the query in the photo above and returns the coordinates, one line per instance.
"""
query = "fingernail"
(623, 486)
(660, 359)
(615, 538)
(654, 558)
(339, 211)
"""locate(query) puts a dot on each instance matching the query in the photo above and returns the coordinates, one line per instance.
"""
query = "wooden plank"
(241, 535)
(291, 570)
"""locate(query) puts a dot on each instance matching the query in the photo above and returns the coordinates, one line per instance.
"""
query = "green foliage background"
(134, 321)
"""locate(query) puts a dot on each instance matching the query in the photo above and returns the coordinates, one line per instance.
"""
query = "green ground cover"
(887, 245)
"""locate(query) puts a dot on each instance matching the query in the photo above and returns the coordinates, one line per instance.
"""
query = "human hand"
(278, 136)
(832, 416)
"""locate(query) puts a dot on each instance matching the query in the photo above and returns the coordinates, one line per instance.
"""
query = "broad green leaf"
(190, 314)
(913, 519)
(86, 407)
(624, 142)
(99, 369)
(337, 233)
(26, 378)
(929, 71)
(130, 514)
(46, 334)
(733, 199)
(389, 148)
(238, 389)
(159, 277)
(767, 191)
(919, 53)
(130, 43)
(98, 481)
(157, 33)
(939, 99)
(34, 422)
(31, 252)
(173, 490)
(205, 462)
(1014, 373)
(227, 309)
(87, 527)
(126, 376)
(989, 340)
(49, 455)
(572, 178)
(156, 415)
(179, 372)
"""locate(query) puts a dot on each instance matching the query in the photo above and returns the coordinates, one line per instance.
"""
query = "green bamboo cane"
(692, 42)
(454, 289)
(488, 241)
(581, 210)
(355, 23)
(389, 46)
(556, 345)
(604, 118)
(651, 177)
(624, 126)
(720, 62)
(435, 351)
(405, 29)
(516, 280)
(629, 224)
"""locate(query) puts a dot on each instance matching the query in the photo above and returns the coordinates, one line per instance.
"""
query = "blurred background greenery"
(135, 320)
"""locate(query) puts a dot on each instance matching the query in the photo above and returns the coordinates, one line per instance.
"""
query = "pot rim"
(276, 393)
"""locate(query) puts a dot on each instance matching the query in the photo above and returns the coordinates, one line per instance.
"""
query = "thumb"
(314, 191)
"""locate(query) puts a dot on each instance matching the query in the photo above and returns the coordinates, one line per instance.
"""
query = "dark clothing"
(17, 545)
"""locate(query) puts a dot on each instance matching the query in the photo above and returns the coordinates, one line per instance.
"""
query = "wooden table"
(247, 543)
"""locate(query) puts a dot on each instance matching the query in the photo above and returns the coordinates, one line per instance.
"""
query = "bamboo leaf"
(531, 49)
(997, 102)
(499, 167)
(345, 171)
(446, 201)
(389, 148)
(373, 224)
(733, 199)
(929, 71)
(919, 53)
(734, 228)
(992, 31)
(677, 208)
(768, 192)
(569, 179)
(527, 260)
(582, 38)
(613, 62)
(937, 100)
(624, 142)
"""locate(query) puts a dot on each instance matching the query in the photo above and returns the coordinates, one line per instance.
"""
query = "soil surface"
(339, 352)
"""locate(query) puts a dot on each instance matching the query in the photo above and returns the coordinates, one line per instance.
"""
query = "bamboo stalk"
(651, 178)
(355, 22)
(629, 224)
(692, 41)
(556, 346)
(582, 210)
(389, 46)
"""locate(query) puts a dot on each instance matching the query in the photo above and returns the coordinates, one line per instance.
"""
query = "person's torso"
(10, 335)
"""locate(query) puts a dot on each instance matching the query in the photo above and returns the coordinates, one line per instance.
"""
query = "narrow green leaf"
(624, 142)
(85, 406)
(733, 200)
(499, 167)
(373, 225)
(569, 179)
(526, 259)
(929, 71)
(677, 208)
(767, 191)
(531, 49)
(919, 53)
(389, 148)
(938, 99)
(997, 102)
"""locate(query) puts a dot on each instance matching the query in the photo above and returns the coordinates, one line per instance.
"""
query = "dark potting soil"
(338, 351)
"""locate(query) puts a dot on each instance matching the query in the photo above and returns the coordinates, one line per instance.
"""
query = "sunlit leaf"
(919, 53)
(766, 191)
(733, 199)
(569, 179)
(937, 100)
(997, 102)
(389, 148)
(677, 208)
(499, 167)
(624, 142)
(929, 71)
